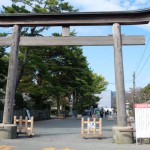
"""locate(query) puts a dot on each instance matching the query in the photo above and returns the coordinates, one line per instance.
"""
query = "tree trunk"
(58, 105)
(22, 66)
(21, 71)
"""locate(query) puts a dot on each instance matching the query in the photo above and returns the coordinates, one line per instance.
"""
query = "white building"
(106, 99)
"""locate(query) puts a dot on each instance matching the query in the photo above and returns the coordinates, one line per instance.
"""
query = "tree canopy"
(52, 73)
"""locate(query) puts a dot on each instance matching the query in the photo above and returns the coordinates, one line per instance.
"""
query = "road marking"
(56, 149)
(4, 147)
(49, 149)
(67, 149)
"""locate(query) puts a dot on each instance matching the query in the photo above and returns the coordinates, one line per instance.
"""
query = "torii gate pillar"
(9, 130)
(119, 136)
(119, 76)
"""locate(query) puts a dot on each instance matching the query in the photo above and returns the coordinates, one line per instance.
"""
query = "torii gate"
(116, 19)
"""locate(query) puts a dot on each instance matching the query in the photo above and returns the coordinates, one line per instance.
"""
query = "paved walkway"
(64, 134)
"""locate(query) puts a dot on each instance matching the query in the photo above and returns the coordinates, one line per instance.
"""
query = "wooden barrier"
(94, 116)
(61, 116)
(110, 117)
(24, 126)
(91, 128)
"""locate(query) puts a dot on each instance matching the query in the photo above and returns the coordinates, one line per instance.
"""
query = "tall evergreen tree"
(3, 71)
(56, 71)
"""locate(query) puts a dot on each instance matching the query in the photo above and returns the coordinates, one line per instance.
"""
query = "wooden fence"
(37, 114)
(24, 126)
(91, 128)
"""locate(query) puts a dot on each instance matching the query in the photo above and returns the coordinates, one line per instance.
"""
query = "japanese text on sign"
(142, 120)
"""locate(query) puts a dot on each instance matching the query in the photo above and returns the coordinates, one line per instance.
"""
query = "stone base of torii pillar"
(123, 135)
(8, 131)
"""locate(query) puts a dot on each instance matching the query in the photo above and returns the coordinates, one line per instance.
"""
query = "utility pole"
(133, 87)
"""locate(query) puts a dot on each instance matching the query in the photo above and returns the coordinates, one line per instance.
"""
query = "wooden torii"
(116, 19)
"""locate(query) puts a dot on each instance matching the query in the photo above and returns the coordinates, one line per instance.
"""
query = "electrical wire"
(143, 66)
(143, 55)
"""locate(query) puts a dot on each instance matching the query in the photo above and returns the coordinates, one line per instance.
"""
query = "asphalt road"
(65, 134)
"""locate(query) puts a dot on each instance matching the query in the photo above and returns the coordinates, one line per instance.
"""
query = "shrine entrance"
(116, 19)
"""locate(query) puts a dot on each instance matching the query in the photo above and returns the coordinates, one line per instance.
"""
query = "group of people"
(102, 113)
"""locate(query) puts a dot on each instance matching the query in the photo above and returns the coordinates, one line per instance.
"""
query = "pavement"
(65, 134)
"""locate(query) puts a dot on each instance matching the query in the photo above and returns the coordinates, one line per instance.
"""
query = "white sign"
(142, 120)
(91, 125)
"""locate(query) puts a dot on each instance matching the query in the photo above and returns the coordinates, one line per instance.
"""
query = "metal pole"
(133, 87)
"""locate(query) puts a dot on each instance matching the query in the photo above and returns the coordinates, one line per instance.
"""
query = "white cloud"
(97, 5)
(5, 2)
(109, 5)
(141, 1)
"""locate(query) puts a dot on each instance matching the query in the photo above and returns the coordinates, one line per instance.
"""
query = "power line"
(143, 66)
(143, 55)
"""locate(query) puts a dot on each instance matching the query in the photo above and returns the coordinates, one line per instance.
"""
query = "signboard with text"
(91, 125)
(142, 120)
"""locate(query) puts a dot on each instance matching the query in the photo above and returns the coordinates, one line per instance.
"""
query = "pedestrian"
(101, 112)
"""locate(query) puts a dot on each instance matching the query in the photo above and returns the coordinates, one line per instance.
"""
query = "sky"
(101, 58)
